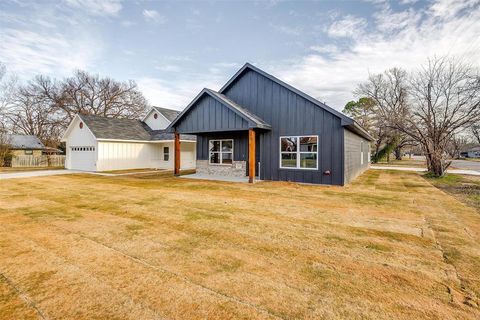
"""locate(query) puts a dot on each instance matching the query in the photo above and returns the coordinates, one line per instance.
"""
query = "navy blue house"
(258, 126)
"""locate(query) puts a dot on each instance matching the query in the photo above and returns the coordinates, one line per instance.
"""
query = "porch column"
(176, 170)
(251, 155)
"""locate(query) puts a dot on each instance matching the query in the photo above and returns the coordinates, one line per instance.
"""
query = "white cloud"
(97, 7)
(31, 52)
(332, 77)
(349, 26)
(52, 42)
(154, 16)
(179, 93)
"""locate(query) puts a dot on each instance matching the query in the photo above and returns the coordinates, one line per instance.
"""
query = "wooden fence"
(39, 161)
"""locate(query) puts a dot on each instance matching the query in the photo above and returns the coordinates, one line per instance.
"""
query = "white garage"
(83, 158)
(95, 143)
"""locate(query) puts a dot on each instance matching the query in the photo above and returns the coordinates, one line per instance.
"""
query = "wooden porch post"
(251, 155)
(176, 170)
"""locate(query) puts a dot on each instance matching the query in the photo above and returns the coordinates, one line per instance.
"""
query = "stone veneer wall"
(237, 169)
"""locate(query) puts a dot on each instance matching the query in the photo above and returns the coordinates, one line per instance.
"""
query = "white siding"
(80, 138)
(156, 124)
(131, 155)
(124, 155)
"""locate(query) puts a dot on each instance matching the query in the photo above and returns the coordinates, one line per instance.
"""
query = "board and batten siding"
(211, 115)
(290, 114)
(353, 155)
(80, 137)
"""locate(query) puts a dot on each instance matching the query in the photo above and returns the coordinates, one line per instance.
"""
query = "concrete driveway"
(39, 173)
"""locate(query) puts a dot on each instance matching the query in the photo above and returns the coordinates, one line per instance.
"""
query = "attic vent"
(155, 115)
(81, 125)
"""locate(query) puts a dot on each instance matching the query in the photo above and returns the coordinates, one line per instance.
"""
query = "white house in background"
(95, 143)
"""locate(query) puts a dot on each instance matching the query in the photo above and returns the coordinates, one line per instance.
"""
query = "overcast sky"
(174, 49)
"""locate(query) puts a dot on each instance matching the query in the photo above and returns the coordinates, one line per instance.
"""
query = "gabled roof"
(169, 114)
(20, 141)
(253, 120)
(347, 122)
(126, 129)
(114, 128)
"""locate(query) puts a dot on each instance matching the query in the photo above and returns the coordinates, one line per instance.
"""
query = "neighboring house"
(25, 145)
(95, 143)
(472, 151)
(257, 125)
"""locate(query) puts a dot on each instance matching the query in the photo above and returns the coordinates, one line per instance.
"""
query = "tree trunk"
(398, 153)
(435, 164)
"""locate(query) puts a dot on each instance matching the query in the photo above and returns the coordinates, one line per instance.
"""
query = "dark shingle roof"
(165, 135)
(118, 129)
(20, 141)
(126, 129)
(168, 113)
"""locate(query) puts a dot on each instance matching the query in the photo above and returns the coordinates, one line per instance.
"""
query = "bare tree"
(455, 146)
(475, 129)
(89, 94)
(44, 107)
(7, 89)
(389, 93)
(5, 152)
(32, 113)
(445, 99)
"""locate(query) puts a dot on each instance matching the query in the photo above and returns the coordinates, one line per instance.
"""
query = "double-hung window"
(220, 151)
(299, 152)
(166, 153)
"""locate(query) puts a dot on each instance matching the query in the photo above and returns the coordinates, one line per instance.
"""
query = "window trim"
(166, 153)
(220, 152)
(298, 152)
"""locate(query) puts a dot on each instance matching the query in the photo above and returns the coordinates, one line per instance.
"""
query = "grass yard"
(389, 246)
(405, 162)
(463, 187)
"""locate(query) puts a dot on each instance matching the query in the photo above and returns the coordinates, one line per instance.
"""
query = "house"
(25, 145)
(258, 126)
(96, 143)
(471, 151)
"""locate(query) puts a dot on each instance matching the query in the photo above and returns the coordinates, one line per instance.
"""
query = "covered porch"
(228, 138)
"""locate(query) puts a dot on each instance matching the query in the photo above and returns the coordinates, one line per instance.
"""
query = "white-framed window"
(166, 153)
(220, 151)
(299, 152)
(361, 152)
(28, 152)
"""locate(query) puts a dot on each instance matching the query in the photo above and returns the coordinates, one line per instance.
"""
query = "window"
(361, 152)
(28, 152)
(220, 151)
(166, 153)
(299, 152)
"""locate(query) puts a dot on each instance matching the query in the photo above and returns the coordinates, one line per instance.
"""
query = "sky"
(173, 49)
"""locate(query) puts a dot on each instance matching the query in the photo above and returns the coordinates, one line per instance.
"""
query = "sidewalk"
(454, 171)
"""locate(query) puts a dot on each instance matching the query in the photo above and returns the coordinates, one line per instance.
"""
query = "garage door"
(82, 158)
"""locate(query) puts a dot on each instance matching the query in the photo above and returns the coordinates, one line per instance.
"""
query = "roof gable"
(346, 121)
(252, 120)
(168, 114)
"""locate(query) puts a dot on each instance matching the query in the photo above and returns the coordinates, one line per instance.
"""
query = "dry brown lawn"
(389, 246)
